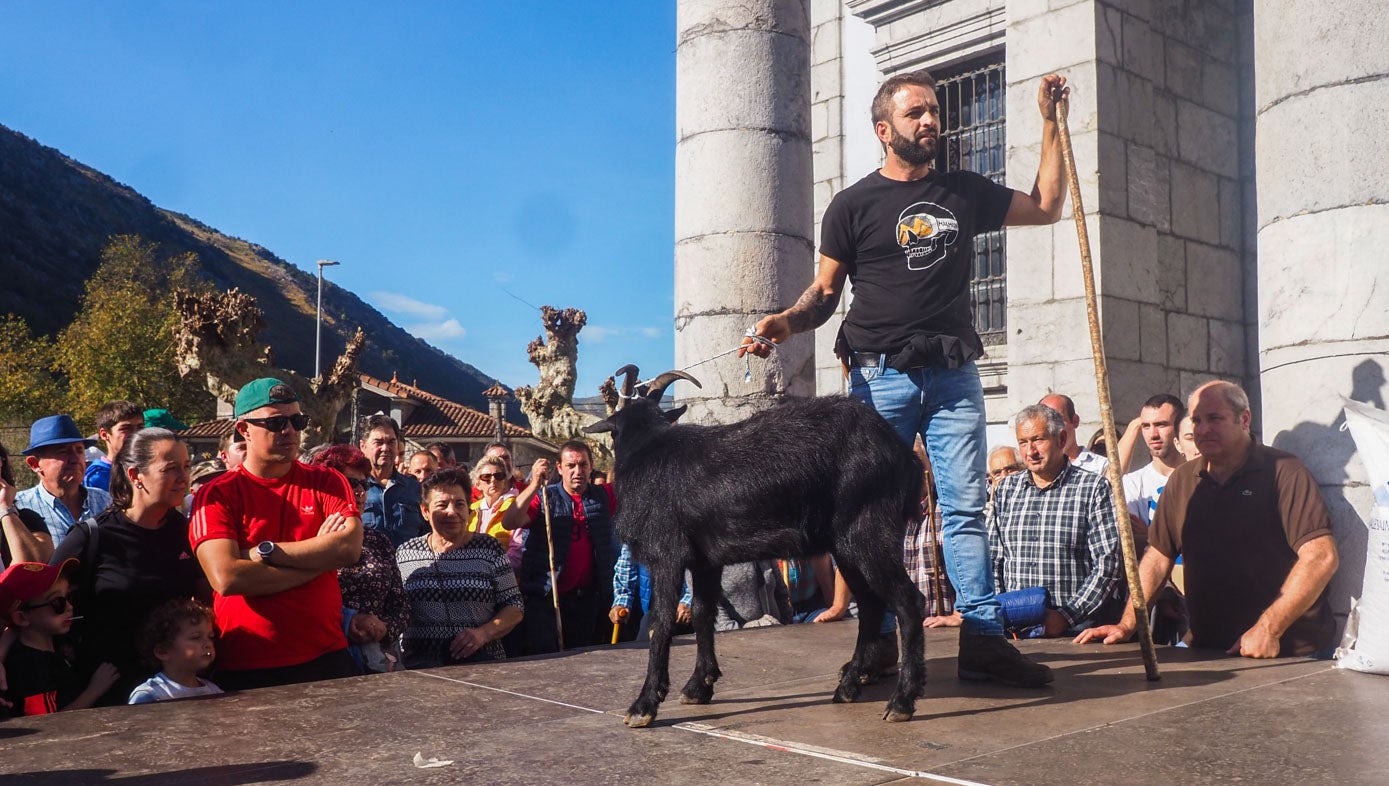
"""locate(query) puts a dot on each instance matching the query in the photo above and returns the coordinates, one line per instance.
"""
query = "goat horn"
(657, 386)
(629, 374)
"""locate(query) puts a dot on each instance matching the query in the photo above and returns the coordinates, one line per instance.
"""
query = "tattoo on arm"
(810, 311)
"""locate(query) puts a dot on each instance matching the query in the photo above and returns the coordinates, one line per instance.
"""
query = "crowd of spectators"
(143, 577)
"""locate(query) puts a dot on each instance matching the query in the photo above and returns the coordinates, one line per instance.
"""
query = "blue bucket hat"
(54, 430)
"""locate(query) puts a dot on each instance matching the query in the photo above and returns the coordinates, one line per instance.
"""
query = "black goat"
(803, 477)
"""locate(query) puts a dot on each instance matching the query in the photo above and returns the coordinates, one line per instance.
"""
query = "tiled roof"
(496, 391)
(210, 429)
(436, 417)
(433, 417)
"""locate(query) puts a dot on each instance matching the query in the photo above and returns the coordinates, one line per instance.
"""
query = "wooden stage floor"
(1211, 719)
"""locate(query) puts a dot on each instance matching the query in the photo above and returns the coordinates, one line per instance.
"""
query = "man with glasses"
(271, 537)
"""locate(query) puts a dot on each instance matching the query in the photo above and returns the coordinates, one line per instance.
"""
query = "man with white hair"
(1254, 535)
(1053, 526)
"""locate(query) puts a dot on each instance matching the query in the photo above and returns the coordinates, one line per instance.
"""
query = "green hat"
(262, 393)
(161, 418)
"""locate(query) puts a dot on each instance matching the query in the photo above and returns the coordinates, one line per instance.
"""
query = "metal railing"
(972, 137)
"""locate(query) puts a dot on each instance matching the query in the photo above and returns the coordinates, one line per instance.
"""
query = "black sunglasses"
(359, 486)
(58, 604)
(277, 423)
(490, 478)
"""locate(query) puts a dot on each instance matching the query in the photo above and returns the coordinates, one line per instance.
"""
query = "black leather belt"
(865, 359)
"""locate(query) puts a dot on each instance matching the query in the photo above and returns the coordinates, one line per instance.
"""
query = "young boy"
(177, 636)
(115, 422)
(34, 600)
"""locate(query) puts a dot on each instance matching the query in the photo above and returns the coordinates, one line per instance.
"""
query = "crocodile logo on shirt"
(926, 231)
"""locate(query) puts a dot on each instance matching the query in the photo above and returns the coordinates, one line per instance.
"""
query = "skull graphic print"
(925, 231)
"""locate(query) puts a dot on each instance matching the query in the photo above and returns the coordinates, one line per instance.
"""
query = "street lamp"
(318, 327)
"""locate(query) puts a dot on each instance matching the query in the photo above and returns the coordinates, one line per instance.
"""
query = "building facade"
(1232, 165)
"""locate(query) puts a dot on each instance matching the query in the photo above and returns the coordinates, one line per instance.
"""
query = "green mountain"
(57, 214)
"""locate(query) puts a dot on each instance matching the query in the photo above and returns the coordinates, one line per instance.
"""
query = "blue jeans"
(946, 407)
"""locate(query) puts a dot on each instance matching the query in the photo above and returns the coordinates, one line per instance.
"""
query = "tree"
(121, 345)
(28, 389)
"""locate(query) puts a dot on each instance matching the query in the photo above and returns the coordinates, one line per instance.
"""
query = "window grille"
(972, 137)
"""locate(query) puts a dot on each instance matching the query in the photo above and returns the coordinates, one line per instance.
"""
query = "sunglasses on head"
(58, 605)
(490, 478)
(277, 423)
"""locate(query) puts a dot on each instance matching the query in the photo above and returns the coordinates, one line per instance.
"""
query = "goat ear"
(674, 413)
(600, 427)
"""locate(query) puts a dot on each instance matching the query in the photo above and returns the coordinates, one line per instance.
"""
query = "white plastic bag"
(1365, 646)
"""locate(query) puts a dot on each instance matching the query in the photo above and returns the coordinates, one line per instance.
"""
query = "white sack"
(1365, 646)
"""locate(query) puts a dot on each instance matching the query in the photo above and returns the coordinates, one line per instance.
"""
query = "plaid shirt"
(627, 581)
(924, 557)
(1063, 537)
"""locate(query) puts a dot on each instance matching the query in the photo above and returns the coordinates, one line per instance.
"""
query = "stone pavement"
(558, 720)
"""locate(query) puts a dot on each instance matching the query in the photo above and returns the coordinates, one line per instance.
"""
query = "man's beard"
(913, 152)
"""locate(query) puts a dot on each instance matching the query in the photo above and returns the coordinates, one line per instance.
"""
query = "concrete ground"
(1210, 719)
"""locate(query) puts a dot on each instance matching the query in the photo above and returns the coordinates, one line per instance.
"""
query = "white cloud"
(598, 334)
(437, 331)
(402, 304)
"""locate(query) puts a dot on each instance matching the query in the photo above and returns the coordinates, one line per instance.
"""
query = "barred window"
(972, 137)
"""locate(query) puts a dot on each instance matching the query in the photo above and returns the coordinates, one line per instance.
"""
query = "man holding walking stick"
(905, 236)
(574, 554)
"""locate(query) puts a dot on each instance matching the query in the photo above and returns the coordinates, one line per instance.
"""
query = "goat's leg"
(665, 592)
(706, 589)
(892, 582)
(870, 620)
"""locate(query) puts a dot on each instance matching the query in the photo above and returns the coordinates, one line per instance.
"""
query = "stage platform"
(558, 720)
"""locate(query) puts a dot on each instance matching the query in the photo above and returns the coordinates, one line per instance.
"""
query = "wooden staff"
(1121, 508)
(550, 544)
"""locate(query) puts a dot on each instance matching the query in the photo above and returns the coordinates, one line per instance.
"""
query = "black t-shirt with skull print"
(909, 247)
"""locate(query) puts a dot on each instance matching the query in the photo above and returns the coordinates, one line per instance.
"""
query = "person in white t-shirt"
(1157, 423)
(178, 636)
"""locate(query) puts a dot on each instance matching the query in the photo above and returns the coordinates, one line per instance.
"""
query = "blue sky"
(446, 153)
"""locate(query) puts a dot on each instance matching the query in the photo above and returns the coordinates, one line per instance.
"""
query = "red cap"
(24, 582)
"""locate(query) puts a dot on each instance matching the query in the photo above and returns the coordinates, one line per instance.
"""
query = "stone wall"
(1155, 121)
(1323, 234)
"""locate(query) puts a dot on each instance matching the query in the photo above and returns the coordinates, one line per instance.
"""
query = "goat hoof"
(846, 694)
(638, 721)
(897, 716)
(686, 698)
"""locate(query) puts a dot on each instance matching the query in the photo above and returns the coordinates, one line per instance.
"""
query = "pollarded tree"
(121, 345)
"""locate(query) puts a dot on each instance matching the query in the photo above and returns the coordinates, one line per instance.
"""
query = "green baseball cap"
(162, 418)
(262, 393)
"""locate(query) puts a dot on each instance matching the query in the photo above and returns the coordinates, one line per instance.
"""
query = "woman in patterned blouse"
(374, 604)
(463, 594)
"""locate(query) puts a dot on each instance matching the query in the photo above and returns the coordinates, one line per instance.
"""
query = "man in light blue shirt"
(57, 454)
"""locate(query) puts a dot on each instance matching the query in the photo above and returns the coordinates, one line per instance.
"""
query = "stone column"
(1322, 103)
(743, 201)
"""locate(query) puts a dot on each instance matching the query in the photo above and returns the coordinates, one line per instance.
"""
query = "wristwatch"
(266, 550)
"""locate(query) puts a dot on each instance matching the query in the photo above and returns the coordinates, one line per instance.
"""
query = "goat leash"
(747, 363)
(550, 543)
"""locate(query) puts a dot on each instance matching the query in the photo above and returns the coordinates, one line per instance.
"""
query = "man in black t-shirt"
(905, 236)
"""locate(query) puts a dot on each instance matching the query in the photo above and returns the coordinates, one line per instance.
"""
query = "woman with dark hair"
(375, 608)
(23, 535)
(132, 557)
